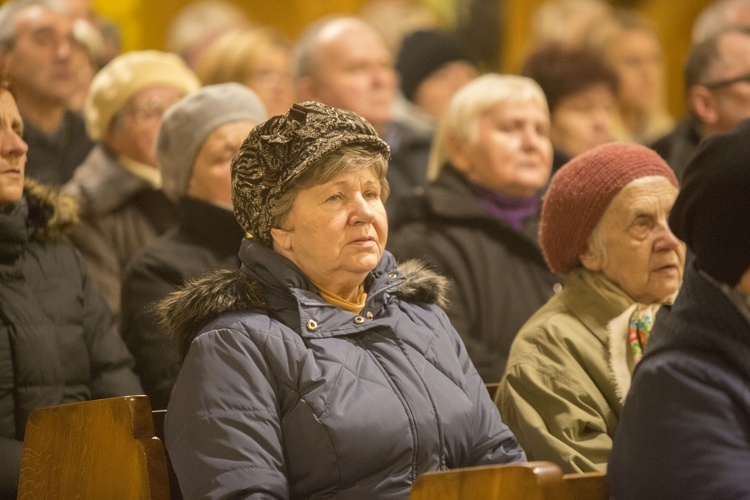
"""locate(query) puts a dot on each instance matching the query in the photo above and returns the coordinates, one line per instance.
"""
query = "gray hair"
(304, 60)
(716, 17)
(459, 123)
(705, 56)
(348, 158)
(11, 9)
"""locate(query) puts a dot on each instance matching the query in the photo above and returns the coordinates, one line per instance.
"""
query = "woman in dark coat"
(321, 368)
(478, 219)
(197, 139)
(56, 343)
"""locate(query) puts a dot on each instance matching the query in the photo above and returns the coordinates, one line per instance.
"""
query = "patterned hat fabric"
(278, 151)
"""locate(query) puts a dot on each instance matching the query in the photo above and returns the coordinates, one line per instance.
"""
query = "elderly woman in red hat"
(603, 226)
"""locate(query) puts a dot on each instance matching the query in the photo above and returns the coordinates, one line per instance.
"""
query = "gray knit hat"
(188, 123)
(276, 153)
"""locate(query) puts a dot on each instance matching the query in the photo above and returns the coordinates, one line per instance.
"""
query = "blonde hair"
(459, 122)
(233, 56)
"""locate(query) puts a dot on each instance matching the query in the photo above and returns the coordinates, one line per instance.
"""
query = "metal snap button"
(359, 320)
(369, 315)
(312, 325)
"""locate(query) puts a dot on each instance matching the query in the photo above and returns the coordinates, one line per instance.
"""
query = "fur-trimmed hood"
(52, 214)
(184, 313)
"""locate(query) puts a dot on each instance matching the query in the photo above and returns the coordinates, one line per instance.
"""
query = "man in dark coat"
(43, 76)
(716, 74)
(685, 428)
(197, 139)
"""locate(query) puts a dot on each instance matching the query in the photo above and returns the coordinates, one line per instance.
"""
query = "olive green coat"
(568, 373)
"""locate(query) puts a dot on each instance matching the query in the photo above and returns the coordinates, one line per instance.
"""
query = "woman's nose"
(361, 210)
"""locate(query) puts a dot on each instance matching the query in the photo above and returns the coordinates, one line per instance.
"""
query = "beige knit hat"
(124, 76)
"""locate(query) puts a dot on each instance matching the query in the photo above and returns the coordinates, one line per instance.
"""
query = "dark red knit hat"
(581, 191)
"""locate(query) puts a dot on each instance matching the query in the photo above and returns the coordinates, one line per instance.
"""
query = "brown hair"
(233, 56)
(562, 71)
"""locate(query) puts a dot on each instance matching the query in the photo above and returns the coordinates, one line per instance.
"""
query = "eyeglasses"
(151, 109)
(270, 78)
(727, 82)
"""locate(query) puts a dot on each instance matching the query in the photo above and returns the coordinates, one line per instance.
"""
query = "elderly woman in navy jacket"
(321, 367)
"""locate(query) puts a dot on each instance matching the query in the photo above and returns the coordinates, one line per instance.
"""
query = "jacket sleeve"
(494, 442)
(102, 263)
(111, 365)
(554, 418)
(10, 466)
(223, 430)
(157, 361)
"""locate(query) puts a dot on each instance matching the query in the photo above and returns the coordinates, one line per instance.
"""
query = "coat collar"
(212, 226)
(270, 284)
(605, 310)
(101, 184)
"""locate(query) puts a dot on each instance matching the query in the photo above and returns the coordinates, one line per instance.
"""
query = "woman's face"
(638, 61)
(641, 254)
(271, 80)
(12, 150)
(583, 120)
(211, 179)
(336, 232)
(435, 91)
(511, 153)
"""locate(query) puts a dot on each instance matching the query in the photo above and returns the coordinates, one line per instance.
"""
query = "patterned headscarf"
(278, 151)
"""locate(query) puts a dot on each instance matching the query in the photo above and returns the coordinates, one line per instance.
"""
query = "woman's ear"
(281, 240)
(703, 104)
(591, 259)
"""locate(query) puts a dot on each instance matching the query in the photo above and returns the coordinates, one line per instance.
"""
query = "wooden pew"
(586, 486)
(492, 388)
(174, 485)
(526, 481)
(92, 450)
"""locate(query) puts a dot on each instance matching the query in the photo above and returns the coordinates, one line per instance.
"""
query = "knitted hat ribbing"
(422, 53)
(188, 123)
(581, 191)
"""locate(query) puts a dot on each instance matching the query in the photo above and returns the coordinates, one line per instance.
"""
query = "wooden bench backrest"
(174, 485)
(586, 486)
(527, 481)
(95, 449)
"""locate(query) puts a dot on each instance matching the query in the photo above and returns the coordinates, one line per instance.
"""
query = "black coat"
(677, 147)
(208, 237)
(499, 275)
(56, 343)
(685, 428)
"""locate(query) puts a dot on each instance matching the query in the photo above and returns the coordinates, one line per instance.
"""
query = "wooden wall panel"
(144, 25)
